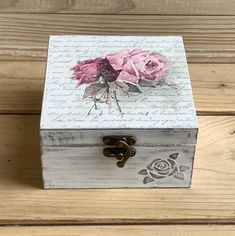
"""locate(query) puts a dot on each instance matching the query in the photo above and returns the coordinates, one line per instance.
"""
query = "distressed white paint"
(153, 137)
(86, 167)
(163, 119)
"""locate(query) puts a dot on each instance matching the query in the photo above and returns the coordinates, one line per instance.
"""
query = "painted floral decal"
(161, 168)
(118, 73)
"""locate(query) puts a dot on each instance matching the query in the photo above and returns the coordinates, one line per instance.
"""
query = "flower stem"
(89, 112)
(115, 97)
(95, 104)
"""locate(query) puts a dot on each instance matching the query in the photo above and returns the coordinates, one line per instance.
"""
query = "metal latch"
(122, 149)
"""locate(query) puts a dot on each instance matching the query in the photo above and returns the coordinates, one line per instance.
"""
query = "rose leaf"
(94, 89)
(179, 176)
(145, 83)
(183, 168)
(122, 87)
(174, 171)
(157, 176)
(133, 88)
(174, 156)
(143, 172)
(147, 180)
(160, 82)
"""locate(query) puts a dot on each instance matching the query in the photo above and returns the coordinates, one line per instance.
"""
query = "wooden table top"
(208, 207)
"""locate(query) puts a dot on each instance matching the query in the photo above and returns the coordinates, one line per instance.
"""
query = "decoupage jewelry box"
(117, 112)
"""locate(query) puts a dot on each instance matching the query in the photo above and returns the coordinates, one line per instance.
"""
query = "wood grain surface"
(21, 87)
(142, 230)
(206, 38)
(171, 7)
(23, 201)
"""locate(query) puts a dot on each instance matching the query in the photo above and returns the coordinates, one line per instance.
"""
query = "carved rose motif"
(162, 168)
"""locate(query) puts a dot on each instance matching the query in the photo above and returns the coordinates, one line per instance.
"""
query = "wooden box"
(117, 112)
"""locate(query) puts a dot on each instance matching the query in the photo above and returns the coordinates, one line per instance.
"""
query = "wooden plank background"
(141, 230)
(208, 29)
(145, 7)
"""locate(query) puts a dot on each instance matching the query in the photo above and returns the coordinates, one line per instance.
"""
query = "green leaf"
(145, 83)
(143, 172)
(94, 89)
(133, 88)
(174, 156)
(117, 86)
(183, 168)
(147, 180)
(179, 176)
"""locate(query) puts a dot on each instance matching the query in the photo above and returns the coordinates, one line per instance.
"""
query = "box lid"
(117, 82)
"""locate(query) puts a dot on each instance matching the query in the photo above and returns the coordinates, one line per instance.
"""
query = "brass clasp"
(122, 150)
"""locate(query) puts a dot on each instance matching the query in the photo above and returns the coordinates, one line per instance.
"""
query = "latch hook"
(122, 150)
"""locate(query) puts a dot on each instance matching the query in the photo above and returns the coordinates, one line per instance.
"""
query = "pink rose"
(118, 59)
(86, 72)
(137, 64)
(121, 61)
(154, 66)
